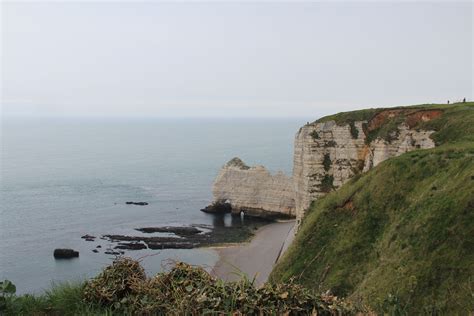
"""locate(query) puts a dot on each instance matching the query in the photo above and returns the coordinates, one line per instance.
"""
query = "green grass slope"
(399, 238)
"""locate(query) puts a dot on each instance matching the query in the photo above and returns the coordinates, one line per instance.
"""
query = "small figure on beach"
(464, 100)
(448, 101)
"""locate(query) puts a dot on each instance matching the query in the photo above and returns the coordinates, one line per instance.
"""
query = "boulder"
(111, 252)
(177, 230)
(65, 253)
(136, 203)
(218, 208)
(131, 246)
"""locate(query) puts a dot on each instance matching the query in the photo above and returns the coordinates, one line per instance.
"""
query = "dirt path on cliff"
(257, 257)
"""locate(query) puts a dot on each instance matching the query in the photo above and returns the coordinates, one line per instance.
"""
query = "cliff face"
(325, 156)
(327, 153)
(254, 190)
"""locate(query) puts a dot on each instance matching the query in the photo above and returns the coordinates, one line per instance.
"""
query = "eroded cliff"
(254, 191)
(327, 153)
(330, 152)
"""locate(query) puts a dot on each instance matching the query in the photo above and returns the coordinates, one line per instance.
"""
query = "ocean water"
(62, 178)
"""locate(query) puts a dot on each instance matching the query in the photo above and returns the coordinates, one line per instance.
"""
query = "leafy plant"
(315, 135)
(327, 183)
(7, 289)
(353, 129)
(327, 161)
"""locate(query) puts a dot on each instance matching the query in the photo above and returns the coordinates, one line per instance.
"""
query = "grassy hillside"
(399, 238)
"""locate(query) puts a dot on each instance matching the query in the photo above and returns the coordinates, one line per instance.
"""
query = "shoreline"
(254, 258)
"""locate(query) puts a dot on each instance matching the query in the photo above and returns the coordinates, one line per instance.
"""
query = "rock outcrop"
(61, 253)
(254, 191)
(327, 153)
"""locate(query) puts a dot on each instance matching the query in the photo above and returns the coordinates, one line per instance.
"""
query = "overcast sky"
(232, 59)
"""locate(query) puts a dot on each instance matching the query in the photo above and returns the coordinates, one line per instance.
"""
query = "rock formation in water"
(327, 153)
(254, 191)
(61, 253)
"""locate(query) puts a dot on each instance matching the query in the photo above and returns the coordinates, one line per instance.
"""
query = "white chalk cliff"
(326, 155)
(254, 190)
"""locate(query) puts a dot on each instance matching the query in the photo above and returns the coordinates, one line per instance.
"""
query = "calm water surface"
(63, 178)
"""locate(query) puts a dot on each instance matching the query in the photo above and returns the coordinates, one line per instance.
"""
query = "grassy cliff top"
(400, 237)
(367, 114)
(454, 124)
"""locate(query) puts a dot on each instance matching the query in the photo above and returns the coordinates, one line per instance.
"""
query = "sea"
(62, 178)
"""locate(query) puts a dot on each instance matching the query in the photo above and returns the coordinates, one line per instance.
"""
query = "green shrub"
(314, 134)
(327, 183)
(7, 289)
(327, 162)
(330, 143)
(353, 129)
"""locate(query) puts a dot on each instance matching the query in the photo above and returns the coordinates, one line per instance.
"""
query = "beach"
(257, 257)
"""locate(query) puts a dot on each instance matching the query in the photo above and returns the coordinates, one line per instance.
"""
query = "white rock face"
(345, 153)
(324, 158)
(326, 155)
(254, 189)
(407, 140)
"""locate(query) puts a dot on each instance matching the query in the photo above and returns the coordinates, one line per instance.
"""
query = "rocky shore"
(185, 237)
(235, 210)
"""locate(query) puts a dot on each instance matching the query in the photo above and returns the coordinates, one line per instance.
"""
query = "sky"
(231, 59)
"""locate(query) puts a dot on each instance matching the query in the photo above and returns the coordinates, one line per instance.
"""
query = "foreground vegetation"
(399, 238)
(123, 289)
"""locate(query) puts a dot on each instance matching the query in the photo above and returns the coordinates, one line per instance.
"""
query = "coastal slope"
(399, 237)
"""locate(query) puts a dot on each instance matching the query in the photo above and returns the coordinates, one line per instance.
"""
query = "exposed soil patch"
(380, 118)
(422, 116)
(412, 117)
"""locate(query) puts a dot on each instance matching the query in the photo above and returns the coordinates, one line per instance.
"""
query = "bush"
(315, 135)
(7, 289)
(354, 130)
(327, 162)
(188, 290)
(327, 184)
(115, 283)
